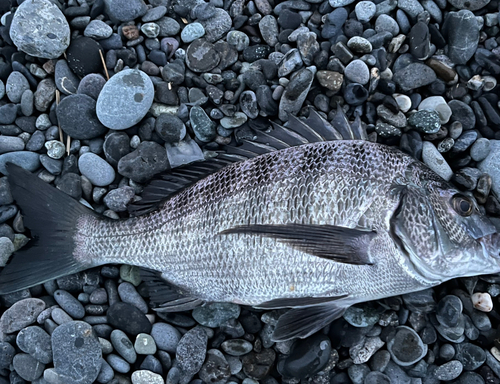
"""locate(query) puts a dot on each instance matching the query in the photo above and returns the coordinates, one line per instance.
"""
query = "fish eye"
(462, 205)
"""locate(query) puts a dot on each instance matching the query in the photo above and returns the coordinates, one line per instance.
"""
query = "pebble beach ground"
(97, 96)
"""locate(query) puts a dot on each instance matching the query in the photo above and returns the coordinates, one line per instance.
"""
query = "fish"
(309, 218)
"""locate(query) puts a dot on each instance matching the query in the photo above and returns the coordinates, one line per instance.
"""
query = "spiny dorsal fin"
(297, 132)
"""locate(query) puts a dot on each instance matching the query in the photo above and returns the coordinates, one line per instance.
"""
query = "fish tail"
(52, 217)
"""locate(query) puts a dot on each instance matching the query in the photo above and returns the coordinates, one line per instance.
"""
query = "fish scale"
(310, 184)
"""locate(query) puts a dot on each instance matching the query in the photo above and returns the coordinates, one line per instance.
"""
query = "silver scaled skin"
(420, 240)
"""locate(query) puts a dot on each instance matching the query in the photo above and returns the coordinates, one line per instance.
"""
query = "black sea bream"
(314, 226)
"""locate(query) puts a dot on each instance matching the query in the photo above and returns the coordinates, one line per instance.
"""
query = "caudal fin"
(51, 216)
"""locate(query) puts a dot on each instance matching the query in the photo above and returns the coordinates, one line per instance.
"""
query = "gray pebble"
(60, 317)
(118, 199)
(192, 32)
(117, 363)
(7, 352)
(69, 304)
(27, 367)
(144, 344)
(238, 39)
(21, 314)
(191, 350)
(2, 89)
(96, 169)
(15, 86)
(128, 294)
(11, 144)
(435, 161)
(146, 377)
(36, 342)
(449, 371)
(165, 336)
(125, 99)
(55, 149)
(123, 346)
(406, 347)
(237, 347)
(106, 373)
(6, 250)
(66, 81)
(27, 99)
(215, 314)
(365, 10)
(40, 29)
(357, 72)
(98, 30)
(480, 149)
(75, 344)
(385, 23)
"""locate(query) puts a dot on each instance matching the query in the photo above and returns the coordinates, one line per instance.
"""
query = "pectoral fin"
(297, 302)
(344, 245)
(303, 322)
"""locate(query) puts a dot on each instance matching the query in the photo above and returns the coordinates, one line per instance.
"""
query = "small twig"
(184, 20)
(68, 144)
(104, 64)
(58, 99)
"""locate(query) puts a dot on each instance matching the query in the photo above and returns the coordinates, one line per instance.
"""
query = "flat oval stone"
(166, 336)
(96, 169)
(35, 341)
(25, 159)
(21, 314)
(77, 117)
(406, 347)
(201, 56)
(40, 29)
(125, 99)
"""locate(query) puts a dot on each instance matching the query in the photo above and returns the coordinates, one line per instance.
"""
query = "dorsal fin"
(296, 132)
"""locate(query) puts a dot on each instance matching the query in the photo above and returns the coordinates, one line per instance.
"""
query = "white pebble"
(482, 301)
(404, 102)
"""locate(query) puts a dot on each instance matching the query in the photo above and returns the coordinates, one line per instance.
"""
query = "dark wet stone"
(307, 357)
(462, 113)
(462, 33)
(128, 11)
(215, 369)
(413, 76)
(465, 140)
(128, 318)
(426, 120)
(406, 347)
(77, 117)
(91, 85)
(66, 81)
(7, 352)
(201, 56)
(83, 56)
(419, 41)
(471, 356)
(147, 160)
(256, 52)
(213, 315)
(116, 145)
(203, 126)
(258, 365)
(74, 344)
(421, 301)
(449, 371)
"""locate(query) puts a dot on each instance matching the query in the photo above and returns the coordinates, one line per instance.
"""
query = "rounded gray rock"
(406, 347)
(21, 314)
(365, 10)
(69, 304)
(77, 352)
(357, 71)
(25, 159)
(125, 10)
(480, 149)
(165, 336)
(27, 367)
(40, 29)
(191, 32)
(461, 30)
(96, 169)
(123, 346)
(11, 144)
(15, 86)
(435, 161)
(98, 30)
(36, 342)
(125, 99)
(191, 350)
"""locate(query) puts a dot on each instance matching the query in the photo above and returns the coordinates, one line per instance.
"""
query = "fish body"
(315, 227)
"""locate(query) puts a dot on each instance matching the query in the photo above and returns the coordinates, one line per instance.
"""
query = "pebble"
(412, 7)
(55, 149)
(203, 127)
(471, 356)
(215, 314)
(480, 149)
(170, 128)
(7, 352)
(438, 104)
(215, 368)
(128, 318)
(21, 314)
(144, 344)
(449, 371)
(147, 160)
(128, 11)
(414, 75)
(27, 367)
(117, 363)
(406, 347)
(482, 301)
(165, 336)
(191, 350)
(77, 117)
(435, 161)
(462, 113)
(461, 30)
(40, 29)
(146, 377)
(118, 199)
(201, 56)
(96, 169)
(36, 342)
(11, 144)
(74, 344)
(123, 346)
(236, 347)
(83, 56)
(357, 72)
(97, 29)
(365, 10)
(66, 81)
(426, 120)
(361, 317)
(125, 99)
(6, 250)
(191, 32)
(128, 294)
(15, 86)
(69, 304)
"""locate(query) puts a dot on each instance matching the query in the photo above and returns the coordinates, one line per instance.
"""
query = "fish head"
(443, 231)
